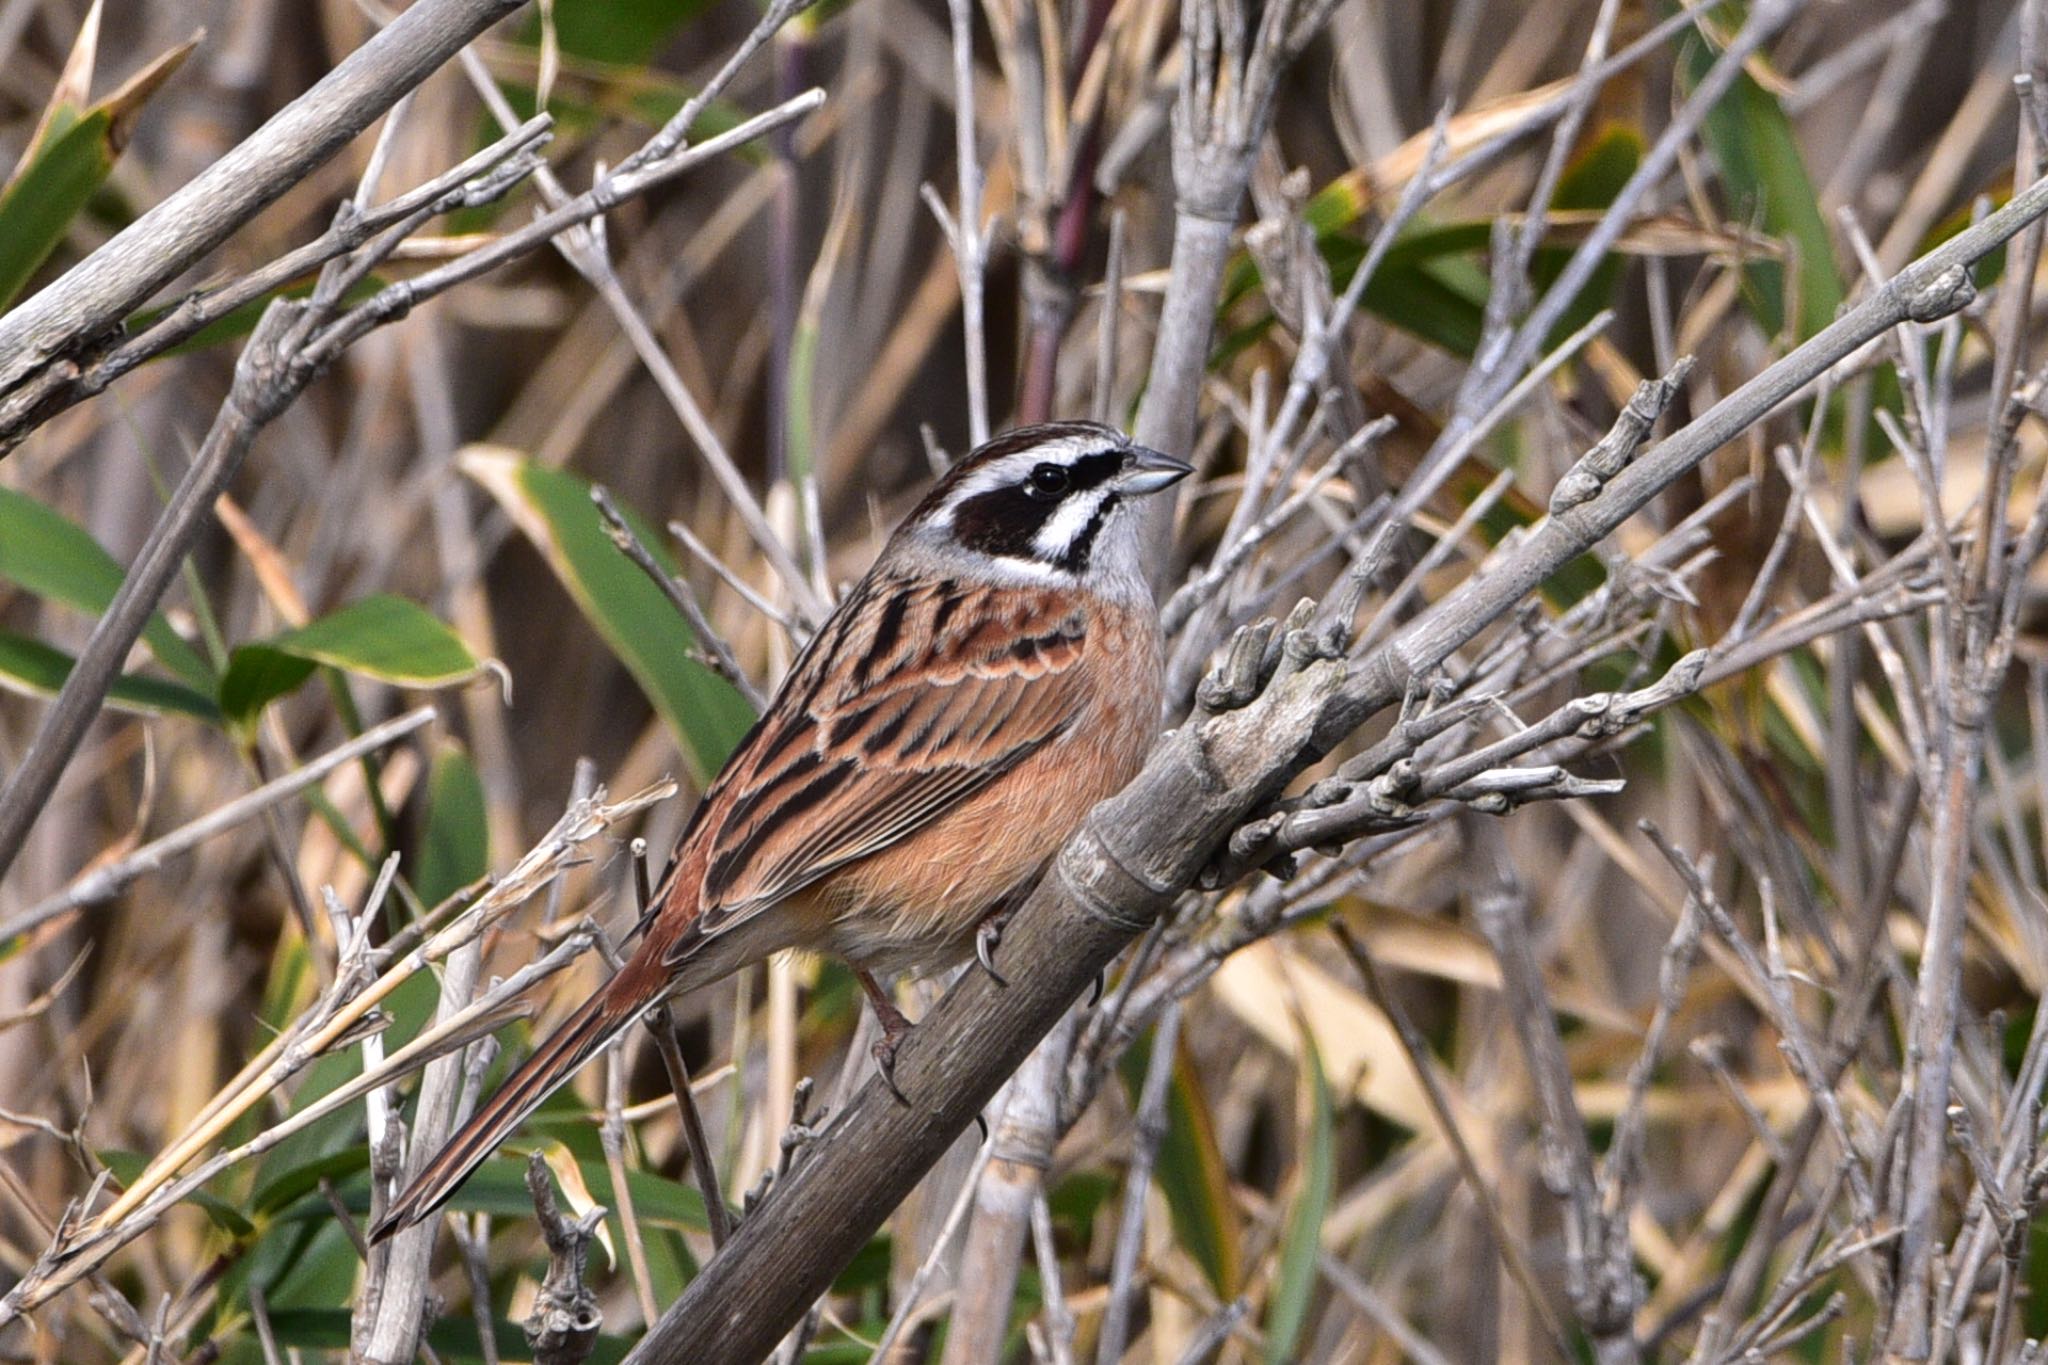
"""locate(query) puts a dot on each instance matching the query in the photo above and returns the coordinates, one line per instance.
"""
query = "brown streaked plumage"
(995, 674)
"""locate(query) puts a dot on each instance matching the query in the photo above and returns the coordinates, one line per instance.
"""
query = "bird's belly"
(915, 907)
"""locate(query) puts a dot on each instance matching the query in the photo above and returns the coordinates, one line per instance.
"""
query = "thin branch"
(563, 1326)
(93, 298)
(913, 1294)
(1149, 1131)
(711, 649)
(966, 231)
(104, 883)
(1416, 1049)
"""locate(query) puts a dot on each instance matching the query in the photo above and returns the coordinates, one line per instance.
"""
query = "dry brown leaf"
(1453, 952)
(1359, 1047)
(273, 574)
(570, 1177)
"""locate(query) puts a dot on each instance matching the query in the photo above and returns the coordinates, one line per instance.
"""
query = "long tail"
(540, 1075)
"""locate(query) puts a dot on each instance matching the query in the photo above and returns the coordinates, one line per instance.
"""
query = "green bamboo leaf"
(1995, 196)
(1426, 300)
(1078, 1199)
(1595, 175)
(51, 189)
(1191, 1161)
(456, 847)
(127, 1166)
(49, 555)
(335, 1147)
(703, 711)
(664, 1210)
(619, 32)
(381, 637)
(387, 638)
(605, 51)
(498, 1187)
(292, 1169)
(1433, 300)
(592, 96)
(1294, 1286)
(35, 669)
(70, 158)
(845, 1352)
(868, 1270)
(304, 1262)
(452, 1337)
(319, 1270)
(1764, 181)
(1190, 1173)
(257, 676)
(1430, 283)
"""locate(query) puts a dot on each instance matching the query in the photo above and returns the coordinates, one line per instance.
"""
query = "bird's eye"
(1047, 481)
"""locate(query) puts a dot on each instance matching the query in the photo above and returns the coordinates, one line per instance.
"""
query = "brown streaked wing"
(938, 716)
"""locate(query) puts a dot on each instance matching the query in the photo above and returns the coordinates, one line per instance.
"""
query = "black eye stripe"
(1002, 521)
(1092, 471)
(1104, 447)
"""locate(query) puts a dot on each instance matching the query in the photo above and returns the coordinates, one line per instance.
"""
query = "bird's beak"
(1148, 471)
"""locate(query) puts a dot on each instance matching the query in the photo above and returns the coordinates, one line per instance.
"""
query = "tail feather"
(540, 1075)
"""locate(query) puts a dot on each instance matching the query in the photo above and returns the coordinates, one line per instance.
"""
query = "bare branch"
(562, 1328)
(37, 338)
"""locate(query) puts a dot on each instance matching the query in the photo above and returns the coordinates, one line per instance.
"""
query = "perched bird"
(995, 674)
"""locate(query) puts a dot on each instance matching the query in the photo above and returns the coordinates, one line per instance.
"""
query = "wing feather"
(915, 698)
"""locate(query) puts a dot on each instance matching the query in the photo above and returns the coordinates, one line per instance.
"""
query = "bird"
(996, 672)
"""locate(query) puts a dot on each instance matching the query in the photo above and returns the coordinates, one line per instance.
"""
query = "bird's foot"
(894, 1029)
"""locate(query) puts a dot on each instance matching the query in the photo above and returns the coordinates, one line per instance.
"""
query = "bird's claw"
(986, 939)
(884, 1053)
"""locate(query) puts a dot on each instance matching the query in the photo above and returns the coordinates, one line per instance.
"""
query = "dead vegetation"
(1609, 923)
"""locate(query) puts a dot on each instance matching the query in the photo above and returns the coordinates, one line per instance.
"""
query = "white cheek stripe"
(1065, 526)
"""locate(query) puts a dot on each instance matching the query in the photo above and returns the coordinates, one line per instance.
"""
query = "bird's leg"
(894, 1026)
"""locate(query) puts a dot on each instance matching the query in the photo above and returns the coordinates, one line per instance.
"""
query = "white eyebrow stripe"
(985, 481)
